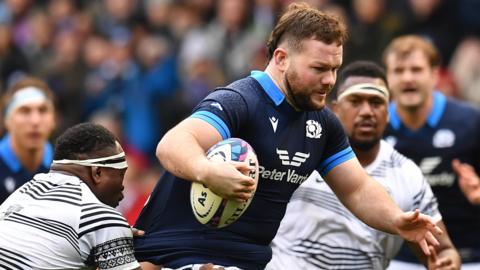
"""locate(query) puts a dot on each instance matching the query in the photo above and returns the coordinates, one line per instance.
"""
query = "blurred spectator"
(371, 28)
(465, 66)
(15, 12)
(147, 93)
(183, 18)
(468, 16)
(231, 39)
(204, 8)
(13, 62)
(115, 16)
(158, 14)
(40, 48)
(62, 14)
(65, 75)
(436, 20)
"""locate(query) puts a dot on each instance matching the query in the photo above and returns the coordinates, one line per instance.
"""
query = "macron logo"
(217, 105)
(274, 122)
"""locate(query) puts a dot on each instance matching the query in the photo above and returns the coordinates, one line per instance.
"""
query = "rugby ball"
(211, 209)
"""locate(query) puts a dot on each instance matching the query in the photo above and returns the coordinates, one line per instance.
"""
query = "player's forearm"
(372, 204)
(363, 196)
(452, 254)
(446, 249)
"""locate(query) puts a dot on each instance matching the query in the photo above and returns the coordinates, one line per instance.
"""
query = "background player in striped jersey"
(440, 134)
(64, 219)
(278, 111)
(318, 232)
(29, 119)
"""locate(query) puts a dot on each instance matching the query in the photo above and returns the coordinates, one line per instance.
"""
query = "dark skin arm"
(443, 256)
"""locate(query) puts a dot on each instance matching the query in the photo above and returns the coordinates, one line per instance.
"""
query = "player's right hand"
(230, 180)
(210, 266)
(416, 227)
(437, 263)
(468, 181)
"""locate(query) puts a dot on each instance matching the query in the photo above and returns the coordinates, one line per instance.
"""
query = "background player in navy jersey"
(317, 232)
(64, 219)
(440, 135)
(281, 113)
(29, 119)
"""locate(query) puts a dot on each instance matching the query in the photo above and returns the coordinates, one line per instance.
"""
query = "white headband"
(117, 161)
(25, 96)
(366, 88)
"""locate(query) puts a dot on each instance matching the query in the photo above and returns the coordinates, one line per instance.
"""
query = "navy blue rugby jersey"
(289, 146)
(452, 131)
(12, 174)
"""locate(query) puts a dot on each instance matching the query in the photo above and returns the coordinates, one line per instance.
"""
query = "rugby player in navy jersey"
(29, 118)
(440, 135)
(281, 113)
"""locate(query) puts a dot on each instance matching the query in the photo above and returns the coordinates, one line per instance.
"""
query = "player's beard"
(363, 145)
(299, 97)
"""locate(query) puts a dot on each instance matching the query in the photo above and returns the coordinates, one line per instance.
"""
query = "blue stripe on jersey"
(215, 121)
(11, 160)
(439, 104)
(338, 158)
(269, 86)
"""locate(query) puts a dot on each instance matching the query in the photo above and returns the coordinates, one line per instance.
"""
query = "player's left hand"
(468, 181)
(136, 232)
(210, 266)
(437, 263)
(419, 228)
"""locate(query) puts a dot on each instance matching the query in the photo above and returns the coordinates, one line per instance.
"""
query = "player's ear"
(96, 173)
(280, 56)
(6, 123)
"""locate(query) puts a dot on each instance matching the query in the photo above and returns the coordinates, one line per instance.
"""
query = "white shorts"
(399, 265)
(197, 267)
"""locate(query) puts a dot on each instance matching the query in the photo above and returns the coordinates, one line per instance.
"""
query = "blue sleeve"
(337, 149)
(224, 109)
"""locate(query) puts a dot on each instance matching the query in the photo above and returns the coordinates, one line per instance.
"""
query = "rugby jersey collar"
(275, 94)
(439, 104)
(11, 160)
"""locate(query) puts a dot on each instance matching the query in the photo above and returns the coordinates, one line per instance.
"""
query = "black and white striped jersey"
(318, 232)
(55, 222)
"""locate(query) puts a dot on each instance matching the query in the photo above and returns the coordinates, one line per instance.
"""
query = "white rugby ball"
(211, 209)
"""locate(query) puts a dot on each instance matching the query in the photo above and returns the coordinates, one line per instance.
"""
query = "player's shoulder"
(96, 215)
(462, 107)
(245, 88)
(5, 170)
(244, 94)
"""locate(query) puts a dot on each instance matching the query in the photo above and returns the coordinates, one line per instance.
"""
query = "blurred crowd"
(138, 66)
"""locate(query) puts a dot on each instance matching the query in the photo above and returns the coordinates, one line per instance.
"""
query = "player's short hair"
(22, 84)
(300, 22)
(28, 82)
(360, 68)
(364, 69)
(404, 45)
(83, 140)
